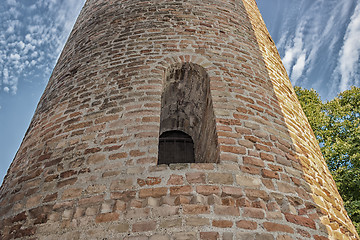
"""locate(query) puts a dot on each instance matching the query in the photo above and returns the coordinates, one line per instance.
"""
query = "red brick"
(209, 235)
(253, 161)
(92, 150)
(107, 217)
(181, 190)
(151, 181)
(195, 209)
(306, 222)
(153, 192)
(118, 156)
(67, 174)
(222, 223)
(70, 181)
(317, 237)
(50, 197)
(275, 227)
(233, 149)
(246, 224)
(267, 157)
(175, 180)
(208, 190)
(232, 191)
(251, 170)
(196, 177)
(136, 153)
(253, 213)
(19, 217)
(253, 194)
(270, 174)
(71, 193)
(91, 200)
(124, 196)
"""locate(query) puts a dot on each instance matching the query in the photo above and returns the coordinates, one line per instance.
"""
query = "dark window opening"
(176, 147)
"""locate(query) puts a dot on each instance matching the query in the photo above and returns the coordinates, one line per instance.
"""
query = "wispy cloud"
(31, 39)
(350, 52)
(309, 42)
(294, 59)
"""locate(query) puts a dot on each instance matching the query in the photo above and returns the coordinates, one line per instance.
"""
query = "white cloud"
(28, 38)
(350, 52)
(298, 68)
(15, 57)
(34, 54)
(32, 37)
(6, 76)
(10, 29)
(21, 44)
(294, 59)
(11, 2)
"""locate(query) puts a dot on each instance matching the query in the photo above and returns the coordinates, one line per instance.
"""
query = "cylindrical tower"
(170, 119)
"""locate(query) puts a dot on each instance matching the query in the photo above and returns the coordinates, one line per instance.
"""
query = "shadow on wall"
(186, 107)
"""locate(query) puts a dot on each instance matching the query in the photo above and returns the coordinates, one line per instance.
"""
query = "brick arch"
(186, 105)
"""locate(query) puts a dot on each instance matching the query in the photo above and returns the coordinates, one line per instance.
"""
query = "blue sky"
(319, 42)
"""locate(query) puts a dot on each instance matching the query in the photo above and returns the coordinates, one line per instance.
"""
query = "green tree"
(336, 124)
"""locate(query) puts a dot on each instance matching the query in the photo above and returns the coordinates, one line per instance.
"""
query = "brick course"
(87, 167)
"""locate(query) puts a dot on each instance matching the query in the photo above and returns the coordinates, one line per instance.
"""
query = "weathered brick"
(253, 194)
(197, 221)
(232, 191)
(165, 211)
(122, 184)
(182, 190)
(91, 200)
(246, 224)
(226, 210)
(209, 235)
(195, 209)
(220, 178)
(144, 226)
(138, 213)
(121, 228)
(222, 223)
(276, 227)
(253, 161)
(253, 213)
(196, 177)
(70, 181)
(300, 220)
(107, 217)
(71, 193)
(175, 180)
(153, 192)
(50, 197)
(270, 174)
(208, 190)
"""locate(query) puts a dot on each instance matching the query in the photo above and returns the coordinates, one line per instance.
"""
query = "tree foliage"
(336, 124)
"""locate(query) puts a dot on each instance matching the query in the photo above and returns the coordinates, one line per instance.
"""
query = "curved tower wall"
(87, 167)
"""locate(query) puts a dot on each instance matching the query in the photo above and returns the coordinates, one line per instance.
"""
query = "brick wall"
(87, 167)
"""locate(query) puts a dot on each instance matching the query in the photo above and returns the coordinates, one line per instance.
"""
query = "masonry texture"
(87, 167)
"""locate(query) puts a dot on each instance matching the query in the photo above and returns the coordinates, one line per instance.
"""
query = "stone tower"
(170, 119)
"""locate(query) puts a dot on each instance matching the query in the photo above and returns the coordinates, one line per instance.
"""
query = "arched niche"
(186, 106)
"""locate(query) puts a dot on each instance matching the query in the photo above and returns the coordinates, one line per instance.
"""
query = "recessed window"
(187, 116)
(176, 147)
